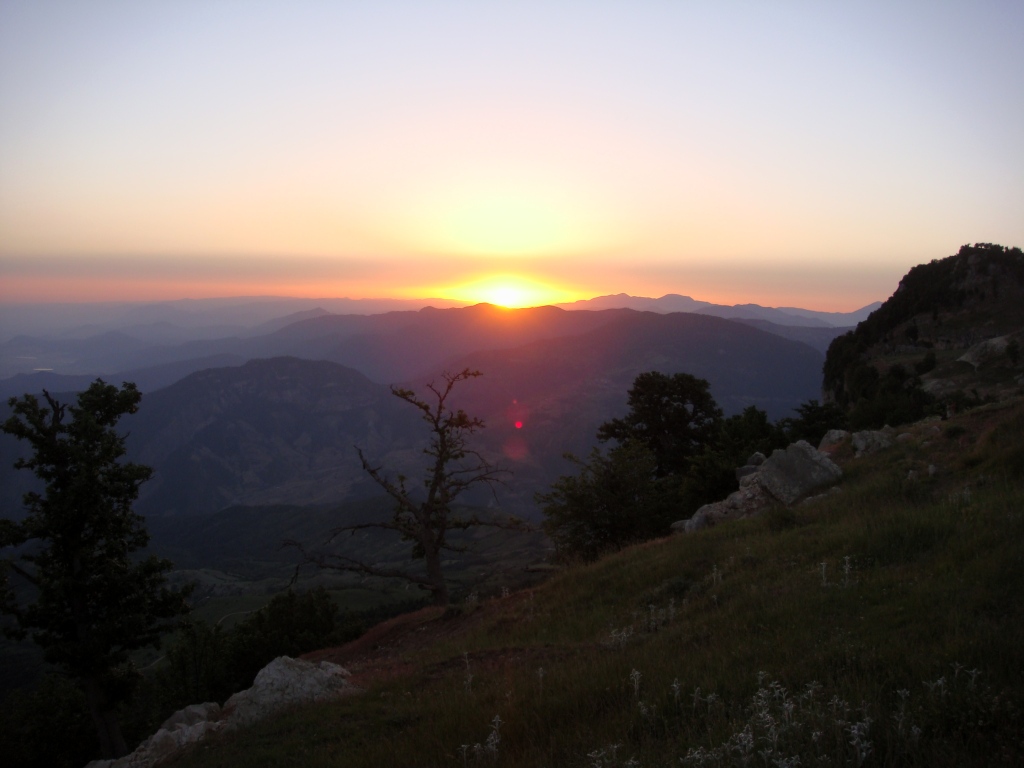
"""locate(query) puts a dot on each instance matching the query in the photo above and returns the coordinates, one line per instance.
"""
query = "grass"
(880, 626)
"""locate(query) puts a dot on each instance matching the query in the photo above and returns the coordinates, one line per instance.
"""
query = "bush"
(614, 501)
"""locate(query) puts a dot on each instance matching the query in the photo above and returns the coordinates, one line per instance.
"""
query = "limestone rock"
(192, 714)
(871, 441)
(756, 460)
(832, 440)
(283, 683)
(986, 352)
(749, 500)
(184, 727)
(791, 474)
(787, 476)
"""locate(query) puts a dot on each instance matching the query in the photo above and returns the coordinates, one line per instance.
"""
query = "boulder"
(787, 476)
(755, 461)
(986, 352)
(871, 441)
(790, 475)
(832, 440)
(184, 727)
(283, 683)
(749, 500)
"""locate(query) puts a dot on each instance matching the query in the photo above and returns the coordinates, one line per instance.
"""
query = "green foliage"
(618, 499)
(289, 625)
(614, 500)
(870, 393)
(203, 662)
(47, 727)
(672, 449)
(673, 416)
(208, 663)
(712, 473)
(814, 419)
(95, 601)
(896, 398)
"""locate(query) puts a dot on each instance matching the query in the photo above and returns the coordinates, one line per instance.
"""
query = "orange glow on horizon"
(510, 291)
(503, 289)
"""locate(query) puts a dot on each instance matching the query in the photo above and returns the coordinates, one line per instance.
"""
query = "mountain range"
(281, 428)
(114, 339)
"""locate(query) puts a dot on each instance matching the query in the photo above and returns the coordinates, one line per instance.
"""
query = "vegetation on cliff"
(937, 313)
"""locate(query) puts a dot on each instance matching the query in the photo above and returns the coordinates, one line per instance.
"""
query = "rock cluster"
(873, 441)
(786, 477)
(283, 683)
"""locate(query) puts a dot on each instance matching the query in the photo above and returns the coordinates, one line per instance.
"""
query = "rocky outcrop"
(989, 351)
(785, 478)
(832, 440)
(283, 683)
(791, 474)
(873, 441)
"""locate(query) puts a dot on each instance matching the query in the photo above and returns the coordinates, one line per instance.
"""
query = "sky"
(783, 153)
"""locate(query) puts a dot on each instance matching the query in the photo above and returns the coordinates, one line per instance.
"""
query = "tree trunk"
(432, 558)
(108, 729)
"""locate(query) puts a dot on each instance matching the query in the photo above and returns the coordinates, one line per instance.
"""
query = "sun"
(511, 291)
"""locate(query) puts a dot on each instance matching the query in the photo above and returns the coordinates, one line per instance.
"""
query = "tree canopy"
(94, 601)
(674, 416)
(636, 490)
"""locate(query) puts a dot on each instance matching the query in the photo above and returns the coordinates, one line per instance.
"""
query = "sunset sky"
(784, 153)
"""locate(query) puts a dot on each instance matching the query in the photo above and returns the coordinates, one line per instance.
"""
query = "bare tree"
(426, 519)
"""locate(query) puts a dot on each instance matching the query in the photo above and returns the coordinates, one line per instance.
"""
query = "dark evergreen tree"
(613, 501)
(674, 416)
(90, 600)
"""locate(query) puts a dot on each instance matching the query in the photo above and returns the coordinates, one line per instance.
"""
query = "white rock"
(871, 441)
(283, 683)
(832, 440)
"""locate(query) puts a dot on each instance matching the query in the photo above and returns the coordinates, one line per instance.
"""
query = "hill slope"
(954, 321)
(880, 626)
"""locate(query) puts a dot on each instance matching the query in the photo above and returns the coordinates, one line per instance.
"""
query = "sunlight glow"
(523, 215)
(509, 291)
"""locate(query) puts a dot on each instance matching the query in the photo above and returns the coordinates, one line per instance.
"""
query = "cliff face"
(922, 336)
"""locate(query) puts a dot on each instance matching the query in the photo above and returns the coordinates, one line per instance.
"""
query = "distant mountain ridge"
(282, 430)
(673, 302)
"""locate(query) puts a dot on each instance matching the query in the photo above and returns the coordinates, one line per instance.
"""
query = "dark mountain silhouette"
(282, 430)
(147, 379)
(817, 337)
(393, 346)
(561, 390)
(270, 431)
(959, 321)
(386, 347)
(673, 302)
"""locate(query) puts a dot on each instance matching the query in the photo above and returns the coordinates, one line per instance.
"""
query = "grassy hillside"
(883, 625)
